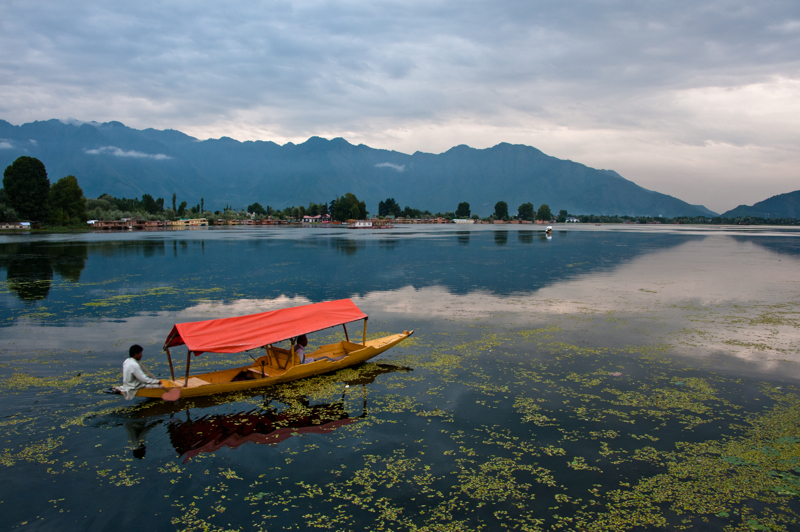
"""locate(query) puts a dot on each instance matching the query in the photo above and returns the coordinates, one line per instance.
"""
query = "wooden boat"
(261, 331)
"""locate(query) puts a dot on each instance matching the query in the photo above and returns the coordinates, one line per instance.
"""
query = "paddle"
(172, 395)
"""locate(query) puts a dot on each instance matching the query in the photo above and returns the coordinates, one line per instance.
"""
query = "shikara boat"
(261, 331)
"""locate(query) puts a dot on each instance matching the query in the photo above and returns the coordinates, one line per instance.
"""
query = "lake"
(605, 378)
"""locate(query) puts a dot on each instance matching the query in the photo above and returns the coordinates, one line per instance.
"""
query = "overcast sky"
(700, 100)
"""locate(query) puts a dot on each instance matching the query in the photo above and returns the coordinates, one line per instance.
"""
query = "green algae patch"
(520, 430)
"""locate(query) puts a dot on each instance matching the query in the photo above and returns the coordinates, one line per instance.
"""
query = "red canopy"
(234, 335)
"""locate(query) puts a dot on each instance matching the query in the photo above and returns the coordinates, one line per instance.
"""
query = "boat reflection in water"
(212, 433)
(266, 425)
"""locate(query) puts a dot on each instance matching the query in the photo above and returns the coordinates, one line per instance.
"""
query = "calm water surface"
(607, 378)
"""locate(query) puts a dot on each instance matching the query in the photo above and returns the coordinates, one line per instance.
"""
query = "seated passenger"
(300, 349)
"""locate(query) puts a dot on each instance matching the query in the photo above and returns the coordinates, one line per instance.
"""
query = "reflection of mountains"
(782, 245)
(30, 266)
(462, 261)
(320, 267)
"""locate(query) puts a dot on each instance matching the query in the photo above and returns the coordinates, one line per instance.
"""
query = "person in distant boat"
(134, 378)
(300, 349)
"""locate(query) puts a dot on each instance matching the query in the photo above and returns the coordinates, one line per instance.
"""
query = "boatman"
(134, 378)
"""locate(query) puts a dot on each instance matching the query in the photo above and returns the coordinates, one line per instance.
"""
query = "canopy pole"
(346, 336)
(171, 369)
(188, 361)
(365, 331)
(291, 350)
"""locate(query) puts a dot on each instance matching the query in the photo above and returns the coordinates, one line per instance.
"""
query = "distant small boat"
(549, 229)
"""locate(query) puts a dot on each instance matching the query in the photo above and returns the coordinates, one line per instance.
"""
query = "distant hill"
(115, 159)
(780, 206)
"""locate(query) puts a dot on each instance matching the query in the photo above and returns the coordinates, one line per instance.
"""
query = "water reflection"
(782, 246)
(311, 266)
(29, 277)
(269, 424)
(501, 238)
(347, 246)
(129, 248)
(30, 267)
(209, 434)
(388, 243)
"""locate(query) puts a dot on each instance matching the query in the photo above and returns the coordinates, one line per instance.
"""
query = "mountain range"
(780, 206)
(125, 162)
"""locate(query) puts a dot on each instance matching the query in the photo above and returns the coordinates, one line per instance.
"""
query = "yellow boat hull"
(267, 371)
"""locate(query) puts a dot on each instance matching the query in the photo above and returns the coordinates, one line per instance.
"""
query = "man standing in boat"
(134, 378)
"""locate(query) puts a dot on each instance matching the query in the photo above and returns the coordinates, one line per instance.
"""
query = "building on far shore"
(15, 225)
(571, 220)
(318, 219)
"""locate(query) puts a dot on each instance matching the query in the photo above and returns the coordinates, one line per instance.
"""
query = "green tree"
(463, 210)
(202, 205)
(27, 187)
(390, 206)
(562, 216)
(174, 197)
(348, 207)
(182, 209)
(67, 203)
(501, 210)
(149, 204)
(544, 213)
(257, 208)
(7, 214)
(526, 211)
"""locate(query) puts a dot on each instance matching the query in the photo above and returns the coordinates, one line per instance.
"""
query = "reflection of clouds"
(687, 286)
(241, 307)
(689, 273)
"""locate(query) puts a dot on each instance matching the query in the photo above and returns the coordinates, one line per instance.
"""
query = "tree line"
(526, 211)
(340, 209)
(27, 194)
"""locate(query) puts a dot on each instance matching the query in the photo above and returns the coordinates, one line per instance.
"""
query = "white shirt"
(133, 378)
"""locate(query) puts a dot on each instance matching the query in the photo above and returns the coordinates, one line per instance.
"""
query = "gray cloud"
(397, 167)
(605, 83)
(5, 145)
(113, 150)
